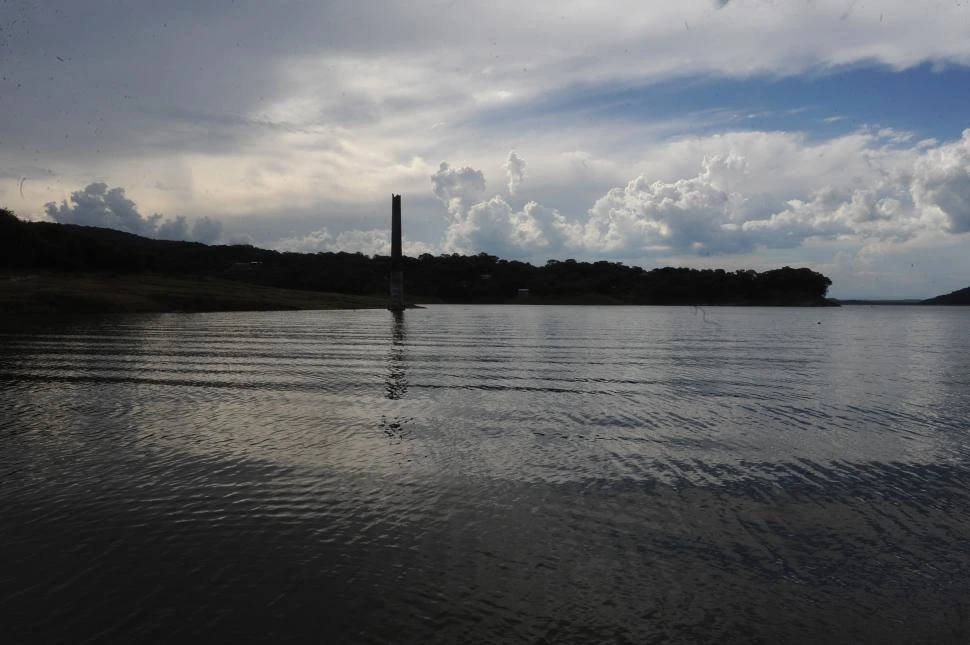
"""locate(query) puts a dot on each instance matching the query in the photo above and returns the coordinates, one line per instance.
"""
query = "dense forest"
(455, 278)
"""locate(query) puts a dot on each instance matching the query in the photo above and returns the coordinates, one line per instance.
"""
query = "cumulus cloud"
(709, 214)
(495, 226)
(698, 214)
(319, 240)
(97, 205)
(695, 214)
(515, 171)
(458, 188)
(750, 192)
(242, 239)
(941, 181)
(883, 211)
(368, 242)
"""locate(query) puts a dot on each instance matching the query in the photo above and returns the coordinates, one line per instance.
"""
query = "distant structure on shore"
(397, 264)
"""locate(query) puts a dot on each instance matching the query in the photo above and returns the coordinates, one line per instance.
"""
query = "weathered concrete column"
(397, 263)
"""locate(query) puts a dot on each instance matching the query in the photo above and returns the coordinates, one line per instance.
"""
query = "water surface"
(488, 474)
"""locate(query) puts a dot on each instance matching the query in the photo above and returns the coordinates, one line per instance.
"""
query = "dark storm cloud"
(116, 76)
(206, 230)
(78, 77)
(174, 229)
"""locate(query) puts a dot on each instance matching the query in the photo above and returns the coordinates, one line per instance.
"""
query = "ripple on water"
(487, 474)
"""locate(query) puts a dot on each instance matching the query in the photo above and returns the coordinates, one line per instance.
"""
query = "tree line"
(481, 278)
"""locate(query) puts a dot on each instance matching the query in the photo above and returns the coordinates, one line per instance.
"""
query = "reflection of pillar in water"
(397, 264)
(396, 384)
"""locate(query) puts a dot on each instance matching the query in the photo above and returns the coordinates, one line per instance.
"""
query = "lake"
(488, 474)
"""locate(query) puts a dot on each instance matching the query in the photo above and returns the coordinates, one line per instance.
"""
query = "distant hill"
(482, 278)
(911, 301)
(959, 297)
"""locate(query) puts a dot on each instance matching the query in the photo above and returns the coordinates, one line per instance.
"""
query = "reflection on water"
(397, 378)
(488, 474)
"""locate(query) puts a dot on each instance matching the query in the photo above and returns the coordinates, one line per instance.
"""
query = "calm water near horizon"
(488, 474)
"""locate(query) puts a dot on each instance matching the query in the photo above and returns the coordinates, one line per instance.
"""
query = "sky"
(701, 133)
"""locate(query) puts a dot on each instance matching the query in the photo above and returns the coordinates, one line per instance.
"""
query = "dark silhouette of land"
(228, 277)
(958, 297)
(859, 301)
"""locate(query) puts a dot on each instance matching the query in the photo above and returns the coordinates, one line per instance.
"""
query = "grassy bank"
(30, 293)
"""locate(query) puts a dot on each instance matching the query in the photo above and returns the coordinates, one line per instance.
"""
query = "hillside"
(958, 297)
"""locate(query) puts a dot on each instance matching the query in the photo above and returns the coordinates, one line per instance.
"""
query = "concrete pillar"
(397, 263)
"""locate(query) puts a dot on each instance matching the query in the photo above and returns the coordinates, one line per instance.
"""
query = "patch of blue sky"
(925, 100)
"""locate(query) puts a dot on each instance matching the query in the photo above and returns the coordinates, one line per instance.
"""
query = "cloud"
(515, 170)
(751, 191)
(698, 214)
(457, 189)
(174, 229)
(206, 230)
(97, 205)
(728, 194)
(242, 239)
(313, 242)
(368, 242)
(878, 213)
(941, 182)
(335, 86)
(493, 225)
